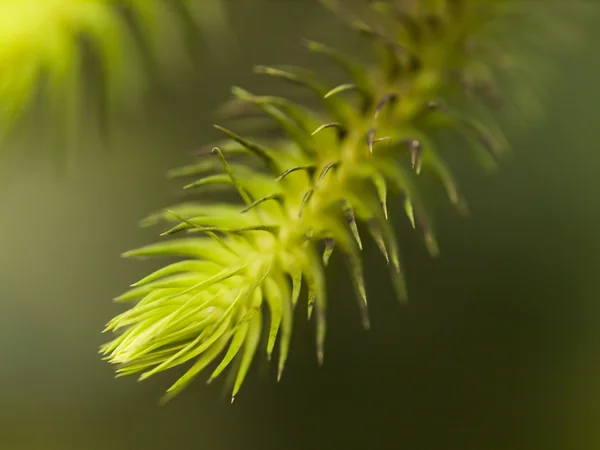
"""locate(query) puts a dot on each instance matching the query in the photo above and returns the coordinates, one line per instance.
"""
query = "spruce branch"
(302, 198)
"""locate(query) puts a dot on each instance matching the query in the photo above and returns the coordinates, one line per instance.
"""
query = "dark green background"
(498, 348)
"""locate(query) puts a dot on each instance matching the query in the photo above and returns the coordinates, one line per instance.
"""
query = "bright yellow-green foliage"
(41, 41)
(305, 192)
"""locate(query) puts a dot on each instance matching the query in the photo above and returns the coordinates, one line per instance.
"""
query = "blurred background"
(497, 349)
